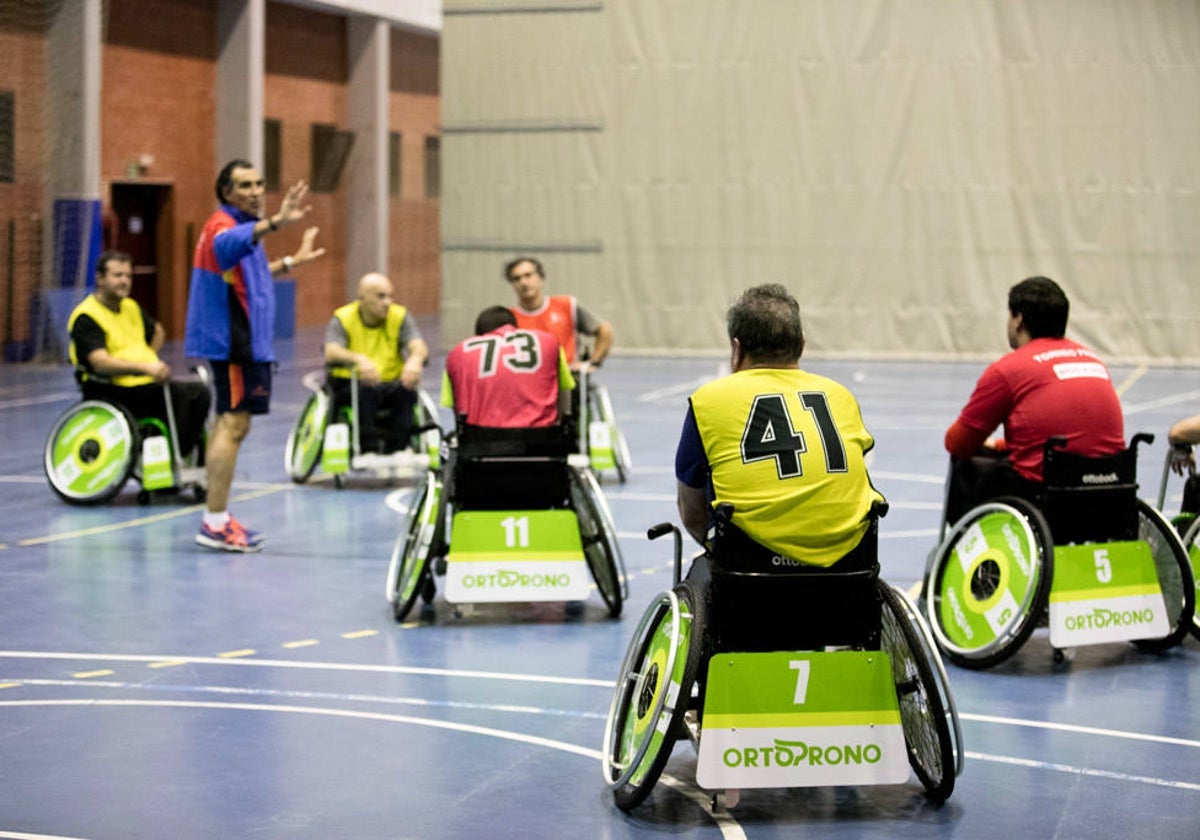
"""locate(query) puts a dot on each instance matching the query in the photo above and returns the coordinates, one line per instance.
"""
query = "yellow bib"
(380, 344)
(124, 337)
(786, 448)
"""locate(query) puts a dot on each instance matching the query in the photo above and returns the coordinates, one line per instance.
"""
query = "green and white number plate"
(516, 556)
(806, 719)
(1105, 592)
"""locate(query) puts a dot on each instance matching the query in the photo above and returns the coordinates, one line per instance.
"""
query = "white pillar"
(73, 112)
(241, 48)
(369, 71)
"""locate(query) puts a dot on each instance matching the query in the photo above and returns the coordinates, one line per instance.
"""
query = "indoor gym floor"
(153, 689)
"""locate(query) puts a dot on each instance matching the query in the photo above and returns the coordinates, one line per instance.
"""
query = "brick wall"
(158, 99)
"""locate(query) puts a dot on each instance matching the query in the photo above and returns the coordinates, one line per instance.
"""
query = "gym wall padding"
(898, 165)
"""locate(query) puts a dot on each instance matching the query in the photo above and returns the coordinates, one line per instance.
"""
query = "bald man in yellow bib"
(379, 339)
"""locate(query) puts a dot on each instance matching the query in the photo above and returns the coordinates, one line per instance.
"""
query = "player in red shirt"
(1049, 386)
(506, 377)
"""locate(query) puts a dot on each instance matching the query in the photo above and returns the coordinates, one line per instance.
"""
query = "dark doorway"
(142, 227)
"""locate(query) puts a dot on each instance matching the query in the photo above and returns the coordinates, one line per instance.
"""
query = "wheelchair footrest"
(800, 719)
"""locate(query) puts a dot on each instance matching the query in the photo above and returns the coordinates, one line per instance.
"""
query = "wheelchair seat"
(1089, 499)
(500, 468)
(795, 605)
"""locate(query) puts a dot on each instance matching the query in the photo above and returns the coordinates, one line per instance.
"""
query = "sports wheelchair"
(1087, 557)
(781, 675)
(513, 515)
(1186, 523)
(96, 446)
(596, 424)
(327, 434)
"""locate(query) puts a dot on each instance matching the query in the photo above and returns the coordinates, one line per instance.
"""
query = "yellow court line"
(147, 520)
(170, 663)
(1133, 377)
(358, 634)
(301, 643)
(233, 654)
(9, 685)
(83, 675)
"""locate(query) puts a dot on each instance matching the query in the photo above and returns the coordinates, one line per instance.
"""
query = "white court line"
(1162, 402)
(1134, 375)
(723, 821)
(919, 478)
(20, 835)
(553, 680)
(1082, 771)
(57, 396)
(1084, 730)
(301, 665)
(316, 710)
(683, 387)
(534, 740)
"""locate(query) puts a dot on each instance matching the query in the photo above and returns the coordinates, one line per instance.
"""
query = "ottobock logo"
(798, 753)
(505, 579)
(1100, 478)
(1100, 618)
(780, 560)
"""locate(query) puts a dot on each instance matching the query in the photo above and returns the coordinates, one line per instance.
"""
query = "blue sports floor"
(152, 689)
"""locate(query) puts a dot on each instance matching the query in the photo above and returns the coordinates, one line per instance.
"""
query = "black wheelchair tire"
(1173, 563)
(927, 726)
(299, 460)
(1189, 542)
(599, 542)
(628, 795)
(413, 576)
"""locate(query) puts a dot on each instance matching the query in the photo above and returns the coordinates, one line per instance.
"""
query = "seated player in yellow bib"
(380, 340)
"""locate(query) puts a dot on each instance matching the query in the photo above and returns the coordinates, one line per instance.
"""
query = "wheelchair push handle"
(661, 530)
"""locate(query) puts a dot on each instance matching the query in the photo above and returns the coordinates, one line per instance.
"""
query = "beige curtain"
(898, 165)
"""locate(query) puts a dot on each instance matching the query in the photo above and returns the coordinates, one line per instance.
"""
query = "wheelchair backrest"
(1089, 499)
(510, 469)
(763, 601)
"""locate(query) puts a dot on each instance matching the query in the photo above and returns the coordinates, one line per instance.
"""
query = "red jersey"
(1050, 387)
(508, 378)
(555, 316)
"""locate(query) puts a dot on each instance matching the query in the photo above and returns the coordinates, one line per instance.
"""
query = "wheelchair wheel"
(408, 572)
(1176, 574)
(653, 693)
(304, 444)
(90, 452)
(990, 582)
(927, 712)
(425, 415)
(599, 538)
(603, 409)
(1190, 537)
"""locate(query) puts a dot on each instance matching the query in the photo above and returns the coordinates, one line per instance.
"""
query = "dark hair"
(110, 256)
(1042, 305)
(766, 322)
(511, 264)
(225, 176)
(493, 318)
